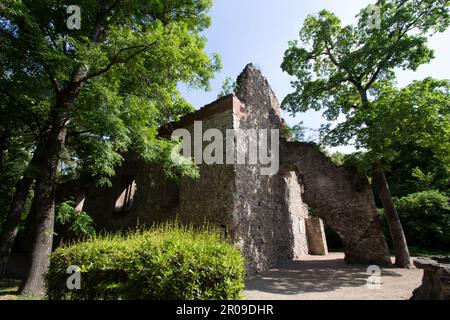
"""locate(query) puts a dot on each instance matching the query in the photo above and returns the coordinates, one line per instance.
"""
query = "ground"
(8, 290)
(329, 278)
(311, 278)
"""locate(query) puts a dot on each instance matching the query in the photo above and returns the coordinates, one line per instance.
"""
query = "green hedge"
(425, 217)
(165, 263)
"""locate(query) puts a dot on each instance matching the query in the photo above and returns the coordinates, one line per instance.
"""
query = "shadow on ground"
(296, 277)
(8, 289)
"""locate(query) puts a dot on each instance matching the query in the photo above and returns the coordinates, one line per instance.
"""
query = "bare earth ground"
(330, 278)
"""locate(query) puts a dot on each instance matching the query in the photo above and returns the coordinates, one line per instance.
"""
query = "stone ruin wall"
(268, 210)
(338, 195)
(265, 215)
(209, 198)
(298, 214)
(315, 233)
(342, 198)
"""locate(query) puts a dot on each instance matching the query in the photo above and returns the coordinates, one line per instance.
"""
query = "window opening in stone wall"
(125, 200)
(80, 199)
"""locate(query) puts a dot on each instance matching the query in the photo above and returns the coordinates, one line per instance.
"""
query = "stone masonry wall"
(261, 215)
(342, 198)
(317, 243)
(298, 213)
(264, 214)
(209, 198)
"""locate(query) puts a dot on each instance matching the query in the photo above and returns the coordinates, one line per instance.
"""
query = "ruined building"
(266, 216)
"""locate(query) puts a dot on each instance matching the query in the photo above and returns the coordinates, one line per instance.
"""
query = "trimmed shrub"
(425, 217)
(165, 263)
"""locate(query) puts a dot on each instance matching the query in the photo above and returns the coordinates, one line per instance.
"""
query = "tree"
(410, 158)
(24, 106)
(426, 216)
(418, 114)
(337, 67)
(228, 87)
(128, 57)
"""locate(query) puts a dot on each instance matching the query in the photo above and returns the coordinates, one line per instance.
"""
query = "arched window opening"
(125, 200)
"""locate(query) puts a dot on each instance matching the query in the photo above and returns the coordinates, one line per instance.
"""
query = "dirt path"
(329, 278)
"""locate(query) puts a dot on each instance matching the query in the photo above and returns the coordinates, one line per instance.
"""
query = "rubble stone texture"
(342, 198)
(436, 279)
(263, 215)
(317, 242)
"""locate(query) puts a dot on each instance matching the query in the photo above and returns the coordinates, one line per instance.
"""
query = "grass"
(9, 288)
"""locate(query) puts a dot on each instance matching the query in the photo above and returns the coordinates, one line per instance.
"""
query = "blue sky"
(258, 31)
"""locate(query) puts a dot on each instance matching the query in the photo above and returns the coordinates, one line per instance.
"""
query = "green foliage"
(165, 263)
(228, 87)
(80, 223)
(411, 156)
(417, 114)
(424, 180)
(334, 64)
(356, 160)
(299, 132)
(348, 71)
(338, 158)
(130, 56)
(425, 218)
(430, 252)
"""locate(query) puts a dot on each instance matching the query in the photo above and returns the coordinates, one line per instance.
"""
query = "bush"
(166, 263)
(425, 217)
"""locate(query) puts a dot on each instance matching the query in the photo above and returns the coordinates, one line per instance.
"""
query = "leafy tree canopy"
(349, 71)
(335, 65)
(126, 61)
(418, 114)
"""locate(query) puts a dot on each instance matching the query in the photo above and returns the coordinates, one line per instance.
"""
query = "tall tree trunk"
(3, 143)
(402, 258)
(11, 224)
(44, 199)
(44, 202)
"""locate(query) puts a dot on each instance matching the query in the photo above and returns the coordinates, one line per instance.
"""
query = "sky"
(258, 31)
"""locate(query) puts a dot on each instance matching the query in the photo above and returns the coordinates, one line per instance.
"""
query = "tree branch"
(374, 77)
(55, 84)
(116, 60)
(339, 65)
